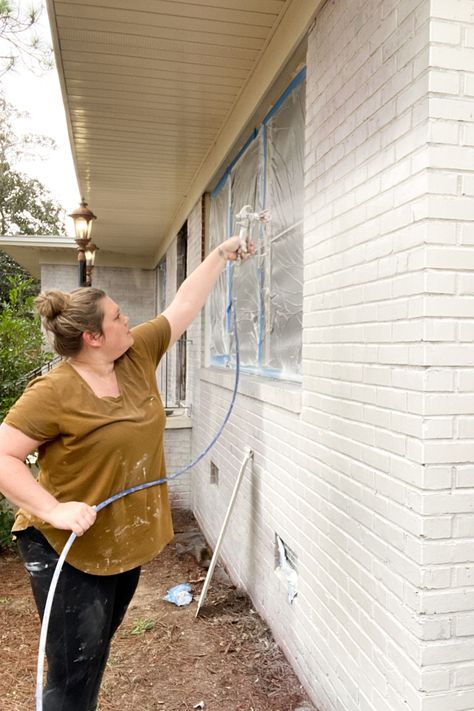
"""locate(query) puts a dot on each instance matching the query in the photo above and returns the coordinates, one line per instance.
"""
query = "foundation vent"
(286, 566)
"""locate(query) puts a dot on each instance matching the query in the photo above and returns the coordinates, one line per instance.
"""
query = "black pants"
(86, 611)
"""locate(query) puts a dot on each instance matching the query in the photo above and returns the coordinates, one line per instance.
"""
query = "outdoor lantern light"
(82, 218)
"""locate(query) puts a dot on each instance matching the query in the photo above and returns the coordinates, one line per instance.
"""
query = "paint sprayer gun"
(244, 219)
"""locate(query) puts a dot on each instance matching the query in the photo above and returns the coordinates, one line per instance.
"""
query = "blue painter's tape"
(297, 80)
(228, 170)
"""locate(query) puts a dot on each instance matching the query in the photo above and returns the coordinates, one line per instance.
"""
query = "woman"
(97, 422)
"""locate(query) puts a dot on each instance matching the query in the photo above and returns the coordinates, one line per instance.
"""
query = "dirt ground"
(162, 657)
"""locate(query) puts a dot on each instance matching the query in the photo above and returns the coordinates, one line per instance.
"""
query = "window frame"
(264, 269)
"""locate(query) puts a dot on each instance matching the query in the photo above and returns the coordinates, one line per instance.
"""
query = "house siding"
(367, 179)
(178, 441)
(366, 473)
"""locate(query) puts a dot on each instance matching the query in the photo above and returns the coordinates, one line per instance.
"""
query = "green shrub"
(21, 351)
(6, 523)
(21, 343)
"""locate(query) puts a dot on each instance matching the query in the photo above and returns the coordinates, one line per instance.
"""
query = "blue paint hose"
(110, 500)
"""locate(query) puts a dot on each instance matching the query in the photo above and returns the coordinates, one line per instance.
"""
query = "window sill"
(178, 420)
(281, 393)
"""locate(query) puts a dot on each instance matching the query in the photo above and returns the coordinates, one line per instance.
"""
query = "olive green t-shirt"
(94, 447)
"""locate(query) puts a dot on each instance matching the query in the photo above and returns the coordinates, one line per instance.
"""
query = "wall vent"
(214, 478)
(286, 566)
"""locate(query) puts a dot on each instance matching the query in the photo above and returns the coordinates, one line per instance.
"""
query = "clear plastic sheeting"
(284, 304)
(217, 303)
(268, 290)
(246, 283)
(284, 270)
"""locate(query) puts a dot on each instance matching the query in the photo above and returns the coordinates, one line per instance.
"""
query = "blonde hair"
(66, 316)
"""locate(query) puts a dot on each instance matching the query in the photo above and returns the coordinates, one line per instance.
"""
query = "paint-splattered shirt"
(97, 446)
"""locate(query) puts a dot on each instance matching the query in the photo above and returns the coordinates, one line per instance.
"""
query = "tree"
(26, 206)
(19, 40)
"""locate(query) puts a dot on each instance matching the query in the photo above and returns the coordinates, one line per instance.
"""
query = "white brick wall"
(449, 448)
(363, 352)
(177, 456)
(394, 302)
(371, 481)
(132, 289)
(366, 471)
(178, 441)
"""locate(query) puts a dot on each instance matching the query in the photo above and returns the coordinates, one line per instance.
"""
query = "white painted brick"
(466, 331)
(453, 451)
(451, 157)
(458, 58)
(448, 404)
(445, 32)
(438, 428)
(437, 527)
(467, 234)
(441, 602)
(467, 185)
(444, 82)
(436, 577)
(465, 675)
(463, 575)
(449, 355)
(455, 11)
(457, 502)
(465, 477)
(437, 680)
(441, 232)
(464, 526)
(439, 380)
(458, 701)
(440, 330)
(444, 132)
(450, 258)
(468, 91)
(466, 283)
(437, 477)
(360, 482)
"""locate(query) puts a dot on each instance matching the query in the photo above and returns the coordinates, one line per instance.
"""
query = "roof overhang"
(31, 251)
(158, 96)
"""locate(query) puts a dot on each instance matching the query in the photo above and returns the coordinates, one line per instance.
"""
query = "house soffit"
(149, 90)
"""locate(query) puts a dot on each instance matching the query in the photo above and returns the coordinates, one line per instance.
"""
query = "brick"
(445, 32)
(465, 477)
(463, 526)
(435, 680)
(454, 11)
(443, 131)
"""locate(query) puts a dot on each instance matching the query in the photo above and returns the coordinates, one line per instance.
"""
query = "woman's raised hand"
(231, 249)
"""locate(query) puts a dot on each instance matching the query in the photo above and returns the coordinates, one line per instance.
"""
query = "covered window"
(267, 290)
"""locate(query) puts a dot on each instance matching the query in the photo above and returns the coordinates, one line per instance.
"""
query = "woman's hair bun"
(51, 304)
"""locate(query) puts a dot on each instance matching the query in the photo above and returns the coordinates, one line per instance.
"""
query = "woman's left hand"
(231, 249)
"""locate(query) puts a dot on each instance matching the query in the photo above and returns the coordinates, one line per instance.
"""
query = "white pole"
(247, 458)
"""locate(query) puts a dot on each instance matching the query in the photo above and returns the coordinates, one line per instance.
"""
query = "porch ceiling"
(149, 89)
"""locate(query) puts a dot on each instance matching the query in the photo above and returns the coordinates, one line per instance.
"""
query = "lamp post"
(82, 218)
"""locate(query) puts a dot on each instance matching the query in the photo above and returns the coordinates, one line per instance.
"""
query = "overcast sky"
(41, 97)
